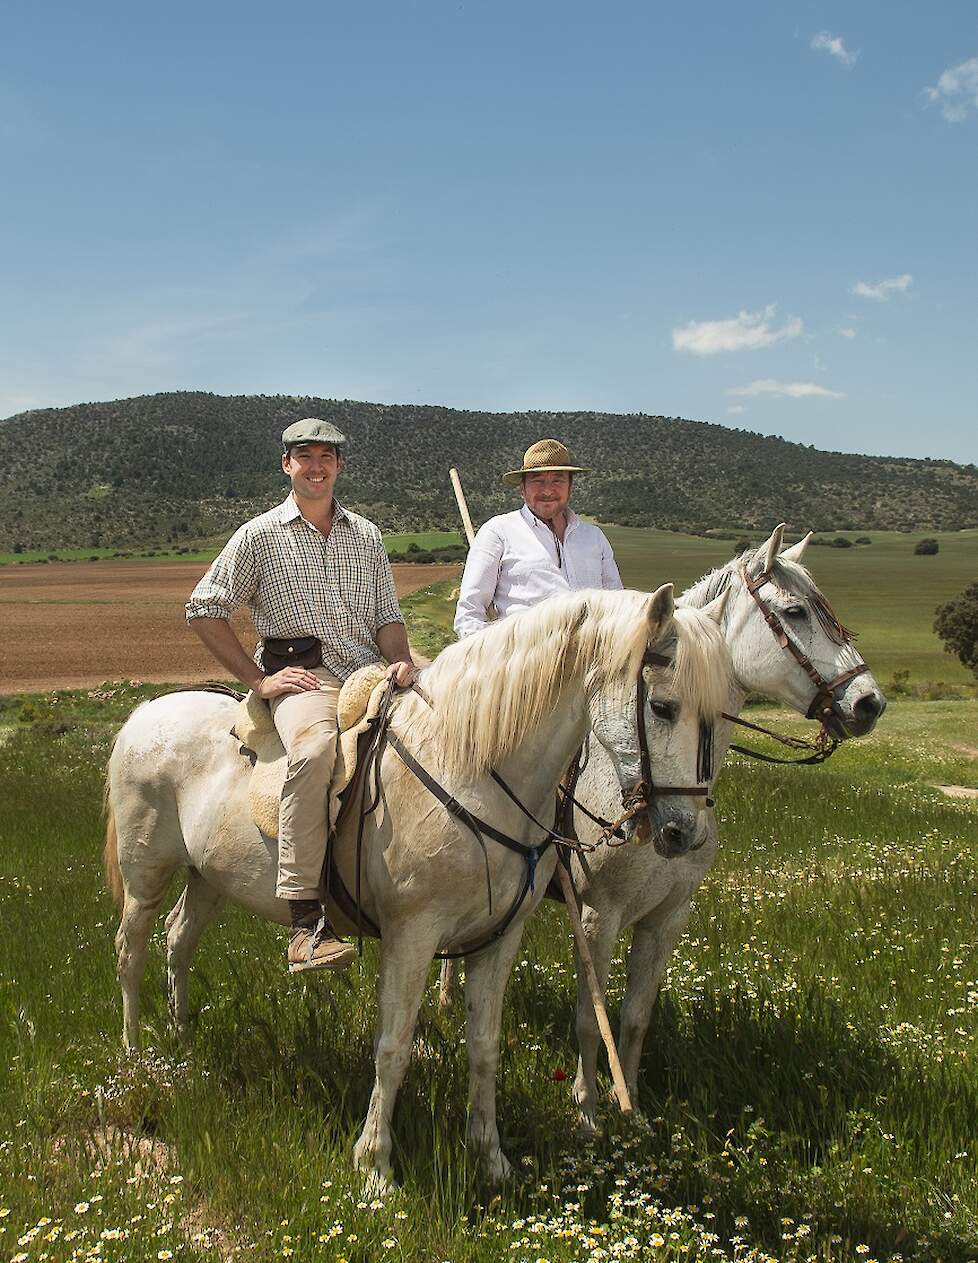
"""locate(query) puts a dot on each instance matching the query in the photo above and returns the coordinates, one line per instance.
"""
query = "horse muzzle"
(857, 720)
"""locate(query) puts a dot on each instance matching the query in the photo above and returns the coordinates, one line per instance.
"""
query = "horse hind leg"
(138, 883)
(186, 922)
(131, 944)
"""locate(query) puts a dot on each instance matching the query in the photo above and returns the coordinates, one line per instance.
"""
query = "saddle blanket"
(358, 704)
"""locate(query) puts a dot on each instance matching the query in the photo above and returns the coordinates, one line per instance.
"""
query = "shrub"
(956, 622)
(841, 542)
(926, 548)
(864, 539)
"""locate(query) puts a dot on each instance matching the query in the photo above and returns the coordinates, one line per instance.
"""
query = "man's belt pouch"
(291, 651)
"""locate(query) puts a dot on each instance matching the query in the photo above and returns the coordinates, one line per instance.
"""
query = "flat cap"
(312, 430)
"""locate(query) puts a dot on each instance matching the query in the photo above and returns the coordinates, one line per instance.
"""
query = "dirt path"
(79, 624)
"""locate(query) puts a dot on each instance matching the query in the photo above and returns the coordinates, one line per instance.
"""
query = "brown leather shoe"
(317, 947)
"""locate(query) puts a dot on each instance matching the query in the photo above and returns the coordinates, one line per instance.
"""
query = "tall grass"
(809, 1084)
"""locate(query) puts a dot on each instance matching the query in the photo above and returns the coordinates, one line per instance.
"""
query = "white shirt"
(516, 560)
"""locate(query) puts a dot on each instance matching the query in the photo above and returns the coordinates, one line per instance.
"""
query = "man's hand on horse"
(402, 673)
(288, 680)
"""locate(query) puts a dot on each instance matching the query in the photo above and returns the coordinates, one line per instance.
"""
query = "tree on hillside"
(957, 625)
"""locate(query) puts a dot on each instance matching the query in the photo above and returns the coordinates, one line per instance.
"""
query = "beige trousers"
(306, 722)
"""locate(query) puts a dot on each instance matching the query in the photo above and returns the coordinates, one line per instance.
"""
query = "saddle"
(358, 705)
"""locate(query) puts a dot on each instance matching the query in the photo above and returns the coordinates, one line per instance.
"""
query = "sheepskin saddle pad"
(358, 704)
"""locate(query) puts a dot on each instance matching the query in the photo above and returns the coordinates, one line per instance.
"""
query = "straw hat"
(540, 457)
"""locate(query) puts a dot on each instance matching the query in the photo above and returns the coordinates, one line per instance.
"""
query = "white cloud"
(956, 91)
(835, 46)
(736, 409)
(790, 390)
(883, 291)
(747, 331)
(846, 333)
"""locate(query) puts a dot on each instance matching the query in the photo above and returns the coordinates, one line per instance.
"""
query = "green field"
(207, 550)
(881, 589)
(810, 1083)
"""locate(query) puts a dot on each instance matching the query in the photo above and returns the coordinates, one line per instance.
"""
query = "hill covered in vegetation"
(186, 465)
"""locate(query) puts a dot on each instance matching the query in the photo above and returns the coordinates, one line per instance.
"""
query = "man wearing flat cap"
(519, 558)
(319, 587)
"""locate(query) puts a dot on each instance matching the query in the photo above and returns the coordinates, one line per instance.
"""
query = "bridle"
(824, 699)
(640, 797)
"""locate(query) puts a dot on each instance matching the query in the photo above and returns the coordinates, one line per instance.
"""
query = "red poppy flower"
(559, 1076)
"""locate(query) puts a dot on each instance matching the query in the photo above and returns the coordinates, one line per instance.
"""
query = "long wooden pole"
(463, 508)
(570, 898)
(597, 999)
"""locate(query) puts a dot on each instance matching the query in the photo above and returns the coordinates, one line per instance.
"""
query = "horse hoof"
(587, 1128)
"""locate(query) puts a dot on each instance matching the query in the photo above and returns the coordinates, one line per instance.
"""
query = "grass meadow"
(809, 1085)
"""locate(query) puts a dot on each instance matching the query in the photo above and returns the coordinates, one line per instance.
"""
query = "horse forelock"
(492, 689)
(702, 673)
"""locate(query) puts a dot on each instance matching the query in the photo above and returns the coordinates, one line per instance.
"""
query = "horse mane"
(492, 689)
(789, 577)
(702, 674)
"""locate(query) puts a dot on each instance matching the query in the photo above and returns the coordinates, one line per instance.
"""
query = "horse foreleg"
(601, 932)
(485, 984)
(447, 984)
(406, 957)
(653, 942)
(184, 925)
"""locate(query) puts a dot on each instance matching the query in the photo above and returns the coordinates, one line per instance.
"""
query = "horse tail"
(110, 854)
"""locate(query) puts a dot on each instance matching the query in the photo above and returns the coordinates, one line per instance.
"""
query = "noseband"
(824, 699)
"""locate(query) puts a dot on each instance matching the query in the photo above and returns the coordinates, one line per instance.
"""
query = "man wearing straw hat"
(520, 558)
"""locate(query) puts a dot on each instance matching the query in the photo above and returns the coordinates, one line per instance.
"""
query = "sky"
(763, 215)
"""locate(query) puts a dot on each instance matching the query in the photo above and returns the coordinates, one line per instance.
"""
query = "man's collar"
(289, 510)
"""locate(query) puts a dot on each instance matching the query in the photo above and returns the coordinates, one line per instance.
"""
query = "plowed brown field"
(80, 624)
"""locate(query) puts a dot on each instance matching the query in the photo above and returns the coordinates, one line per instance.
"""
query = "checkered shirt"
(296, 583)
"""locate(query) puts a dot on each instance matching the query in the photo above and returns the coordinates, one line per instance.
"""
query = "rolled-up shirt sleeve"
(610, 578)
(231, 581)
(478, 586)
(388, 610)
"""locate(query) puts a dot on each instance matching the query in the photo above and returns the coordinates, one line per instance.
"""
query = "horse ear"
(716, 607)
(660, 610)
(797, 551)
(773, 547)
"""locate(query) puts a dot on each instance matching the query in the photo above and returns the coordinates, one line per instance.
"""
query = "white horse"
(636, 887)
(626, 887)
(518, 697)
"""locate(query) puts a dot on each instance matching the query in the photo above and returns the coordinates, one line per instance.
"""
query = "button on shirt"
(296, 582)
(516, 561)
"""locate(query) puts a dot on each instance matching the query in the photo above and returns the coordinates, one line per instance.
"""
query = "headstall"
(824, 699)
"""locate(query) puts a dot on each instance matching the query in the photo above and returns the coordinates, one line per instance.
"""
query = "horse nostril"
(673, 837)
(869, 706)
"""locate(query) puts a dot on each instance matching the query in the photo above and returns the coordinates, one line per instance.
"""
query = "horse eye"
(662, 710)
(796, 611)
